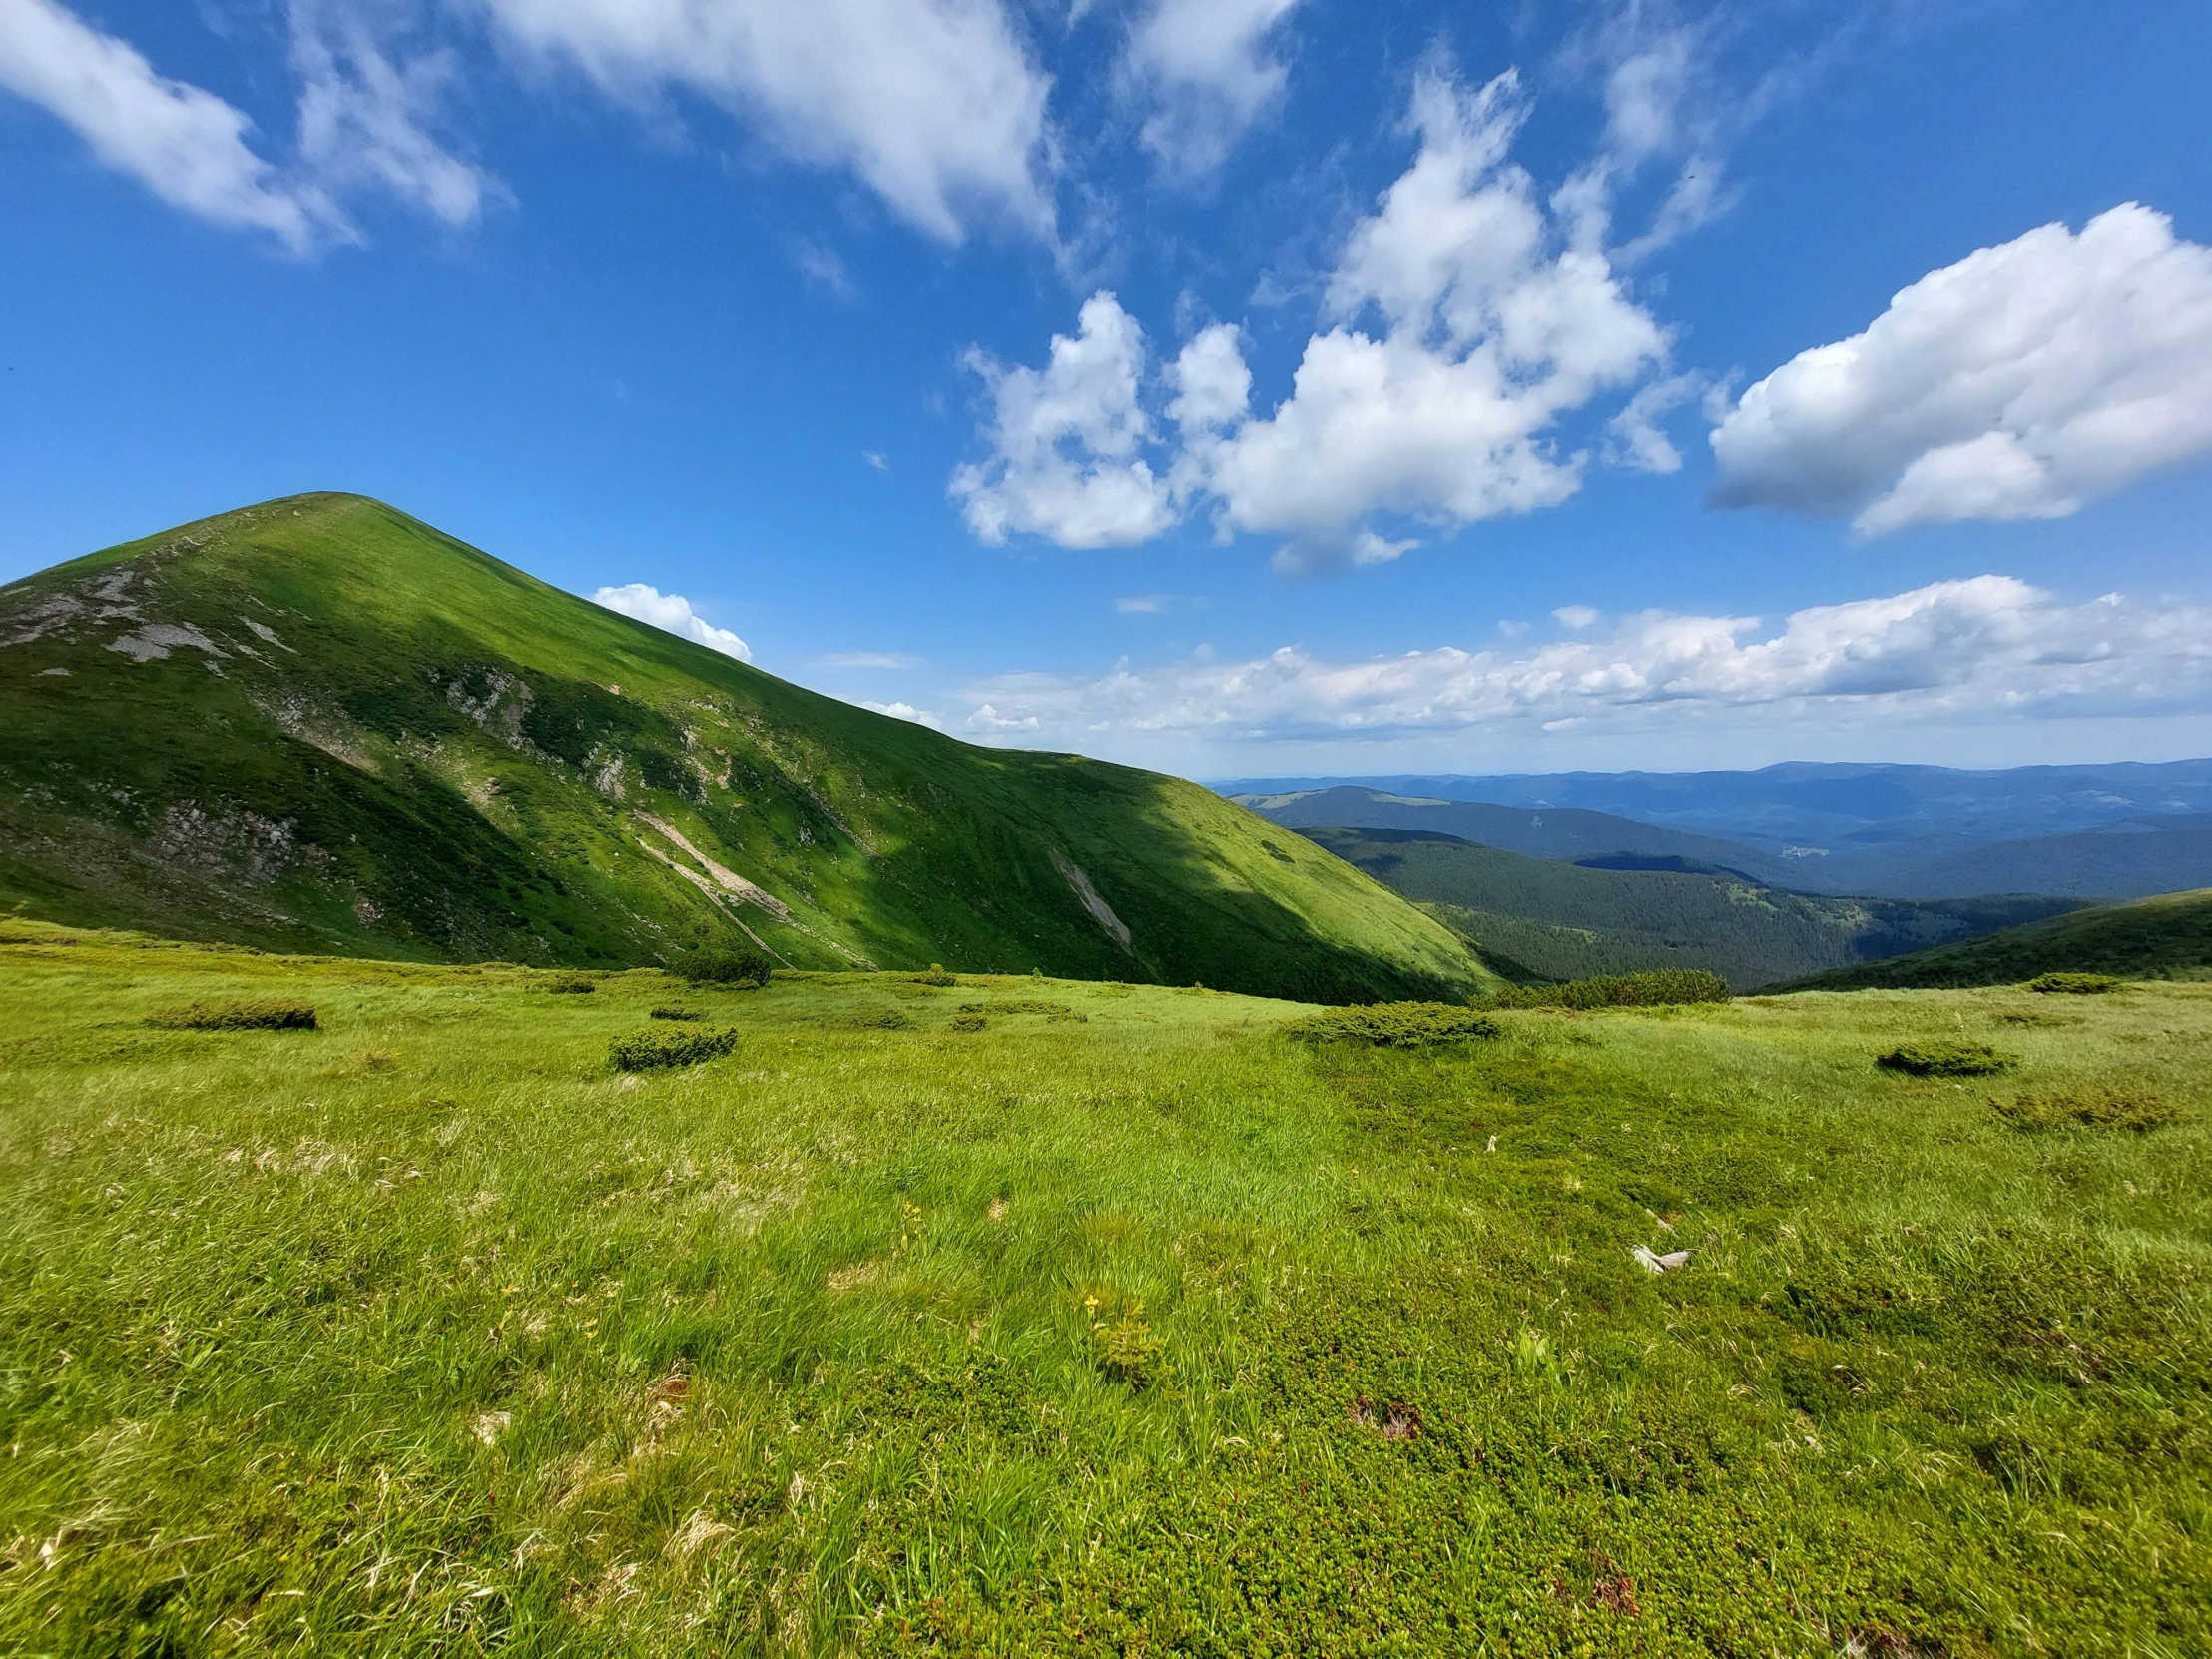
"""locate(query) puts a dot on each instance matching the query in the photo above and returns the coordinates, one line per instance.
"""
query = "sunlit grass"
(431, 1332)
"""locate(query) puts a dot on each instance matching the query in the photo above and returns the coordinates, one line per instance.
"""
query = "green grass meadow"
(1032, 1317)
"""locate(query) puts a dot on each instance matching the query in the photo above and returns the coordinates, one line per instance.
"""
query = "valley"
(1552, 920)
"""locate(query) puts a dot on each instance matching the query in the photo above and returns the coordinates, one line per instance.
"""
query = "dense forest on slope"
(2167, 937)
(1542, 917)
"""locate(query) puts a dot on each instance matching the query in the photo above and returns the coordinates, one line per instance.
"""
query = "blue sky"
(1431, 386)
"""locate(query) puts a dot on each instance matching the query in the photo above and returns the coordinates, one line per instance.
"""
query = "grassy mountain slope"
(1545, 833)
(318, 725)
(1565, 921)
(1156, 1331)
(2167, 938)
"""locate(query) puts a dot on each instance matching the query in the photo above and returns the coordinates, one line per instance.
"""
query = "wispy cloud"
(1206, 72)
(1990, 646)
(866, 658)
(934, 104)
(185, 145)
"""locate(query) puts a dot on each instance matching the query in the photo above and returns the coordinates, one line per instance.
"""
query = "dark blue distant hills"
(2120, 831)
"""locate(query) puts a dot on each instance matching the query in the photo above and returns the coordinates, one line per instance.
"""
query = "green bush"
(1946, 1059)
(1058, 1013)
(263, 1015)
(745, 968)
(968, 1023)
(935, 976)
(571, 987)
(2074, 985)
(655, 1050)
(667, 1013)
(1663, 988)
(1395, 1025)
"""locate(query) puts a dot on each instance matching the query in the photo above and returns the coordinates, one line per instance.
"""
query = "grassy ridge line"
(426, 1330)
(387, 743)
(1563, 921)
(2168, 937)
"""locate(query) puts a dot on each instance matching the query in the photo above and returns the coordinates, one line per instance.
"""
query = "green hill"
(2167, 938)
(317, 725)
(1540, 918)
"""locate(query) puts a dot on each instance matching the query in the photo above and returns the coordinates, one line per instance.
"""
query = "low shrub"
(1055, 1011)
(1126, 1345)
(745, 970)
(571, 987)
(968, 1023)
(2074, 985)
(1395, 1025)
(655, 1050)
(1946, 1059)
(935, 976)
(262, 1015)
(882, 1019)
(1664, 988)
(2135, 1110)
(667, 1013)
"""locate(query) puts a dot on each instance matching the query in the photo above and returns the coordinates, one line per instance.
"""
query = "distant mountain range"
(320, 725)
(2100, 831)
(1536, 918)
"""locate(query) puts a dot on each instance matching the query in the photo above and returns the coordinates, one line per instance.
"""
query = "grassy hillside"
(2168, 937)
(1124, 1322)
(317, 725)
(1563, 833)
(1565, 921)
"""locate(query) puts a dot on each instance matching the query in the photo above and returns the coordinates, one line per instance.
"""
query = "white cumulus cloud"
(1491, 330)
(673, 613)
(1067, 442)
(933, 103)
(1205, 70)
(2024, 382)
(1465, 326)
(1990, 646)
(182, 143)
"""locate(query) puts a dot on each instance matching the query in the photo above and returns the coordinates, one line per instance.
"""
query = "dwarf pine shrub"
(254, 1016)
(1946, 1059)
(657, 1050)
(2074, 985)
(740, 969)
(1663, 988)
(1395, 1025)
